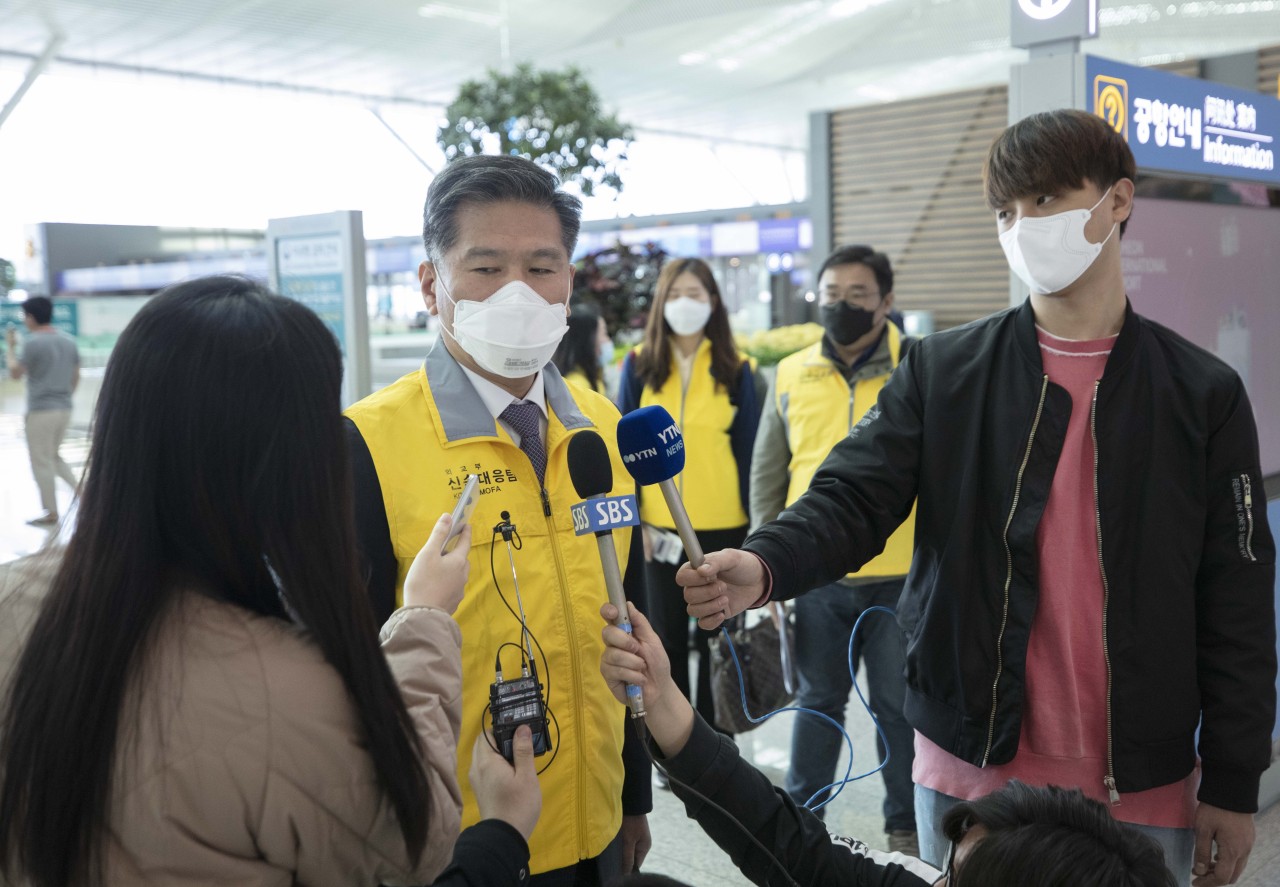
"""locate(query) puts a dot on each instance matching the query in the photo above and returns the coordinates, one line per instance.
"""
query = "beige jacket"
(241, 760)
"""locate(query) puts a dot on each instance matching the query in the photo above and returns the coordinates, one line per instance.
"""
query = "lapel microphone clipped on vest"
(591, 471)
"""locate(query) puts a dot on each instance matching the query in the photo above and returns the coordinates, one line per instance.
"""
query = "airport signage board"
(1033, 22)
(320, 261)
(66, 317)
(1188, 126)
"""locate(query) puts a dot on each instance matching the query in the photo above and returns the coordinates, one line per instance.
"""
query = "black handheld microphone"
(592, 476)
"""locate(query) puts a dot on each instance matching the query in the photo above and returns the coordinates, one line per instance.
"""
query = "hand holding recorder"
(507, 791)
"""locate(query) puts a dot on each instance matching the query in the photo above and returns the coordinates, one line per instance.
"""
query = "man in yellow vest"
(488, 401)
(820, 394)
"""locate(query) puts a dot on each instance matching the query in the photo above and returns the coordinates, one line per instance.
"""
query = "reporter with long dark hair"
(203, 697)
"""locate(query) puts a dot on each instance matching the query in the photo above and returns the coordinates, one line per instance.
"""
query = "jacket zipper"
(684, 393)
(573, 648)
(1008, 579)
(1248, 516)
(1110, 779)
(573, 655)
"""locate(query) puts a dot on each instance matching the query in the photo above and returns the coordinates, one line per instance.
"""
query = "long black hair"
(579, 349)
(218, 463)
(653, 362)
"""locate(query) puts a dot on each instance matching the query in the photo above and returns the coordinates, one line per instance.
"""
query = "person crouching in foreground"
(1019, 835)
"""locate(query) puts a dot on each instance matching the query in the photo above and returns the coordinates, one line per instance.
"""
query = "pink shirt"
(1064, 723)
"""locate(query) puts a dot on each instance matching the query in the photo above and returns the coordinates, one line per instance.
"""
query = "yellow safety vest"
(709, 483)
(579, 378)
(819, 409)
(426, 432)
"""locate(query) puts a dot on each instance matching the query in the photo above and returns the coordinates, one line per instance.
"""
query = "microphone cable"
(553, 722)
(509, 533)
(643, 734)
(848, 777)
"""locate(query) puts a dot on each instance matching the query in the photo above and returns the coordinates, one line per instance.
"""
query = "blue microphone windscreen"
(651, 445)
(589, 465)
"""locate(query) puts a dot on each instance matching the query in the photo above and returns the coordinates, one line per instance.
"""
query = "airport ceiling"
(745, 70)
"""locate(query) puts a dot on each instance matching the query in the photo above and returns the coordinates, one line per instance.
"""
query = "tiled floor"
(679, 850)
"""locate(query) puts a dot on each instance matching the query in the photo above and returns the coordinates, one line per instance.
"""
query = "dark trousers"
(666, 609)
(824, 619)
(594, 872)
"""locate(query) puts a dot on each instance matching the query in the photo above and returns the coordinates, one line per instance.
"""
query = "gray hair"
(487, 178)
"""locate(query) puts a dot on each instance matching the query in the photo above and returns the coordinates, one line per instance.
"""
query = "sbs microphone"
(653, 452)
(592, 474)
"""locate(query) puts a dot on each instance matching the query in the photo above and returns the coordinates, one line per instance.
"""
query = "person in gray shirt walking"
(51, 363)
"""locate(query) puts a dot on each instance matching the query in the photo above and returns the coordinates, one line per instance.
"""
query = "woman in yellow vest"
(689, 365)
(585, 351)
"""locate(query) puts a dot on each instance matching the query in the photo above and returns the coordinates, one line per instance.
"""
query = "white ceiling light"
(846, 8)
(728, 64)
(444, 10)
(693, 58)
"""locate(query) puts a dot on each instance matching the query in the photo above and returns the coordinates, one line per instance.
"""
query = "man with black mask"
(820, 395)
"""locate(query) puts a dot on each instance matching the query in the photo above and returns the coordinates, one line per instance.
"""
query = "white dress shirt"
(498, 399)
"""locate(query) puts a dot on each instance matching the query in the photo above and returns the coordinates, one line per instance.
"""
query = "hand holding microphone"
(727, 583)
(640, 659)
(716, 587)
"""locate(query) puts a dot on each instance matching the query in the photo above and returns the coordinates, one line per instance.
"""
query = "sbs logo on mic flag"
(605, 514)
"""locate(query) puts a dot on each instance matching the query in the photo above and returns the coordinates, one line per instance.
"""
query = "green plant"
(554, 118)
(618, 282)
(770, 346)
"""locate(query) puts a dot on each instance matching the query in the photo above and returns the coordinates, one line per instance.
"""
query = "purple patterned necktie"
(524, 420)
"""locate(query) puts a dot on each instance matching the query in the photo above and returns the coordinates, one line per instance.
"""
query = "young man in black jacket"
(1093, 574)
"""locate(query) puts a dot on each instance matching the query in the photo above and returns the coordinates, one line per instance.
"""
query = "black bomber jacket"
(970, 424)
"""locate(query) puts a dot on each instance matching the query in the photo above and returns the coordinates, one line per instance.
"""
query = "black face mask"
(846, 324)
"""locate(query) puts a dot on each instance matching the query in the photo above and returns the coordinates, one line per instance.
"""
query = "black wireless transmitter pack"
(515, 702)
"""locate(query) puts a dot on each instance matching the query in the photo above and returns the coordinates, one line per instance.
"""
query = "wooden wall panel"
(906, 178)
(1269, 70)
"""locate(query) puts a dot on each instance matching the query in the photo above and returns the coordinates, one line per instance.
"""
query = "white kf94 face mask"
(686, 316)
(1050, 253)
(512, 334)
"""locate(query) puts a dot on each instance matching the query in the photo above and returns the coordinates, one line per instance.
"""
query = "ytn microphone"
(652, 450)
(592, 476)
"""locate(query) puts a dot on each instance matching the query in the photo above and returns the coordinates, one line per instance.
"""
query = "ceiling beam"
(222, 80)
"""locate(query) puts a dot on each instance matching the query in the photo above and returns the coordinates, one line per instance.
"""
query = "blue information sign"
(310, 270)
(1184, 125)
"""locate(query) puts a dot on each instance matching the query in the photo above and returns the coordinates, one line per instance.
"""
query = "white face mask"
(686, 316)
(1050, 253)
(512, 334)
(606, 353)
